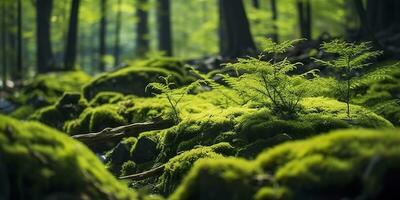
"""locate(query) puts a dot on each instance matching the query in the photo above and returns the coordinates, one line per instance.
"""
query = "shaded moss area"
(354, 163)
(45, 90)
(383, 96)
(41, 163)
(135, 78)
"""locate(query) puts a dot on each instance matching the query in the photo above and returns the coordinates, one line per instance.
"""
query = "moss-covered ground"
(223, 146)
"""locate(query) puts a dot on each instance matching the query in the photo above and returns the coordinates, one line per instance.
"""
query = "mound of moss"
(37, 162)
(178, 167)
(383, 95)
(69, 107)
(45, 90)
(135, 78)
(347, 164)
(95, 119)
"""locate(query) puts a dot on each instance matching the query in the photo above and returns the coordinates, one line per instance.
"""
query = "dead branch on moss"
(146, 174)
(116, 134)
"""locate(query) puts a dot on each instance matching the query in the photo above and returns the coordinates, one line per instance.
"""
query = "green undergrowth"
(357, 163)
(383, 96)
(45, 90)
(134, 79)
(41, 163)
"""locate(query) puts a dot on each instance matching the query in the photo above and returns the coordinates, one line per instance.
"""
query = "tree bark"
(71, 46)
(19, 69)
(164, 27)
(256, 4)
(117, 41)
(3, 45)
(103, 32)
(274, 10)
(45, 61)
(304, 12)
(142, 30)
(235, 36)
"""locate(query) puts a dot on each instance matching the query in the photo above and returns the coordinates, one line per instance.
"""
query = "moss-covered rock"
(135, 78)
(106, 98)
(96, 119)
(178, 167)
(37, 162)
(46, 89)
(210, 179)
(355, 163)
(69, 107)
(351, 163)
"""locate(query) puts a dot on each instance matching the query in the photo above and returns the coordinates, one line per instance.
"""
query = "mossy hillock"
(134, 79)
(41, 163)
(45, 90)
(353, 163)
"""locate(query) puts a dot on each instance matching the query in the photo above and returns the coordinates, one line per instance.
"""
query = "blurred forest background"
(39, 36)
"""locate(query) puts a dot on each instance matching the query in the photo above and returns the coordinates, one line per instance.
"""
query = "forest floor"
(201, 136)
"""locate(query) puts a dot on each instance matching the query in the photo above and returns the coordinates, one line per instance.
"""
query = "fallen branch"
(146, 174)
(116, 134)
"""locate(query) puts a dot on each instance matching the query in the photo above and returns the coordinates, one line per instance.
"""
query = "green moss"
(319, 115)
(345, 163)
(269, 193)
(134, 79)
(46, 89)
(336, 164)
(95, 119)
(200, 129)
(129, 167)
(211, 179)
(23, 112)
(42, 163)
(69, 107)
(106, 98)
(382, 95)
(177, 167)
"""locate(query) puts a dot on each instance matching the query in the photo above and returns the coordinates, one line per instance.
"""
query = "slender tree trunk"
(103, 32)
(71, 46)
(117, 48)
(235, 36)
(164, 27)
(44, 52)
(256, 4)
(274, 10)
(142, 31)
(304, 12)
(19, 69)
(3, 44)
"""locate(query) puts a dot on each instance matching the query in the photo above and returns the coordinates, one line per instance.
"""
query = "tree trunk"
(164, 27)
(274, 10)
(304, 12)
(70, 51)
(256, 4)
(19, 69)
(117, 48)
(44, 52)
(142, 30)
(235, 36)
(3, 45)
(103, 32)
